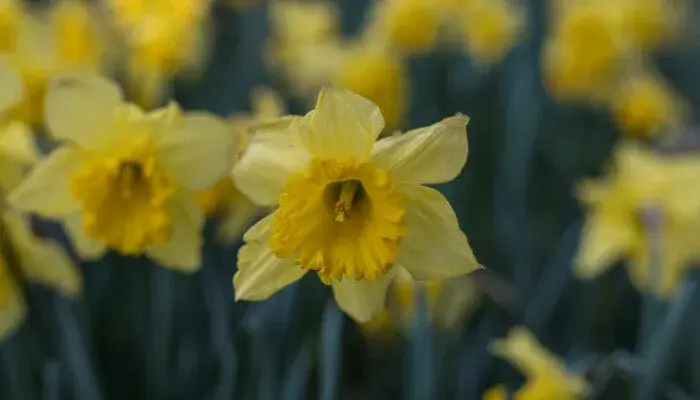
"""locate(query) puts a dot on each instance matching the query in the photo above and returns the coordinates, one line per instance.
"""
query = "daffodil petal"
(41, 260)
(81, 109)
(433, 154)
(260, 273)
(11, 84)
(17, 142)
(361, 299)
(343, 124)
(434, 248)
(45, 190)
(183, 252)
(521, 348)
(87, 248)
(12, 312)
(200, 153)
(266, 164)
(604, 241)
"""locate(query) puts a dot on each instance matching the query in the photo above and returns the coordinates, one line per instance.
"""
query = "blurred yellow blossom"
(640, 182)
(650, 23)
(490, 28)
(161, 38)
(46, 44)
(379, 77)
(11, 14)
(412, 26)
(449, 302)
(124, 179)
(645, 105)
(233, 208)
(350, 208)
(546, 376)
(305, 46)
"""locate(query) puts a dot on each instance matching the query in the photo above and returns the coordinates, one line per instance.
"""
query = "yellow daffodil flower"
(645, 105)
(65, 39)
(162, 38)
(411, 26)
(124, 179)
(650, 23)
(349, 208)
(449, 302)
(224, 200)
(490, 28)
(614, 230)
(546, 376)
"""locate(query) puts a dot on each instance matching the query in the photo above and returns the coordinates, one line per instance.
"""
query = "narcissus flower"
(648, 205)
(351, 208)
(490, 28)
(411, 26)
(546, 376)
(223, 200)
(37, 260)
(124, 179)
(162, 38)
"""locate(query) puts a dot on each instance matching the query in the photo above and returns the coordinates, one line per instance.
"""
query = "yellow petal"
(266, 164)
(11, 84)
(604, 240)
(240, 214)
(41, 260)
(361, 299)
(260, 273)
(18, 143)
(343, 124)
(81, 109)
(12, 312)
(433, 154)
(183, 252)
(200, 153)
(87, 248)
(522, 349)
(45, 191)
(434, 247)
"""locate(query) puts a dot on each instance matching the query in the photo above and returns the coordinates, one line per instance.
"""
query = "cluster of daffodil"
(597, 51)
(307, 48)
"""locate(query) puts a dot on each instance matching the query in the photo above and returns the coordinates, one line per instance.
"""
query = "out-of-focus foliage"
(579, 197)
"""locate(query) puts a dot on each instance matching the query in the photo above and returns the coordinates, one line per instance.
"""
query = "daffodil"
(410, 26)
(645, 105)
(546, 376)
(490, 28)
(44, 45)
(124, 179)
(448, 301)
(348, 207)
(234, 210)
(35, 259)
(642, 185)
(162, 38)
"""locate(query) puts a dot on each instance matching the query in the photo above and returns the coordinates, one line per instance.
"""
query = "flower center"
(340, 219)
(124, 202)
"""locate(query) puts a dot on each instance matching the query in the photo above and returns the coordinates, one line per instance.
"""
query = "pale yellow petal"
(45, 191)
(87, 248)
(17, 142)
(43, 260)
(11, 84)
(260, 273)
(605, 239)
(238, 216)
(522, 349)
(81, 109)
(361, 299)
(434, 248)
(433, 154)
(183, 252)
(343, 124)
(200, 153)
(266, 164)
(12, 312)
